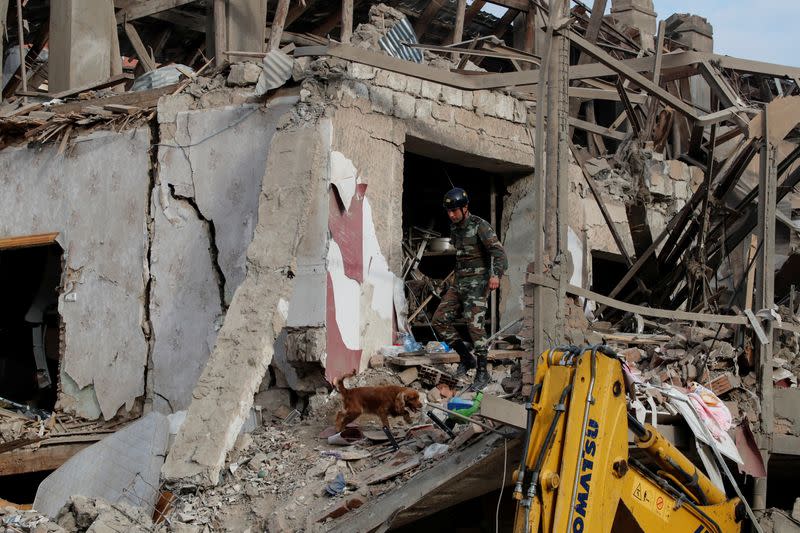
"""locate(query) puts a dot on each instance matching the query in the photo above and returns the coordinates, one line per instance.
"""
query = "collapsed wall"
(102, 177)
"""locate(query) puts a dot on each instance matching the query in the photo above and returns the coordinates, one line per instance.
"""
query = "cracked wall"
(102, 177)
(210, 168)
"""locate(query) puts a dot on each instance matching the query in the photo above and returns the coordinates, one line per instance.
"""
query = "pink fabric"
(711, 409)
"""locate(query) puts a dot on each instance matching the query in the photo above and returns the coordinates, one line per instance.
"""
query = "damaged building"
(213, 210)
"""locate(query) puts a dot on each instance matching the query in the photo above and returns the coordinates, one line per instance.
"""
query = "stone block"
(414, 86)
(361, 72)
(442, 112)
(678, 170)
(354, 89)
(452, 96)
(404, 105)
(466, 100)
(397, 82)
(409, 375)
(423, 109)
(520, 112)
(484, 102)
(504, 107)
(468, 119)
(242, 74)
(382, 99)
(431, 90)
(377, 361)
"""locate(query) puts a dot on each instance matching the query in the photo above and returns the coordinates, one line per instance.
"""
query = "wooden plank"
(504, 411)
(751, 273)
(183, 19)
(473, 9)
(426, 17)
(659, 57)
(458, 28)
(10, 243)
(297, 11)
(517, 5)
(278, 23)
(633, 118)
(604, 94)
(246, 25)
(39, 460)
(143, 99)
(120, 108)
(633, 338)
(144, 8)
(147, 62)
(529, 43)
(450, 357)
(594, 128)
(220, 36)
(636, 78)
(347, 21)
(765, 280)
(94, 86)
(652, 311)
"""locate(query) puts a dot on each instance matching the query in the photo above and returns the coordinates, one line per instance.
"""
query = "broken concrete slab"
(122, 468)
(224, 393)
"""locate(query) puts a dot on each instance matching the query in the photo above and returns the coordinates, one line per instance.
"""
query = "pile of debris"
(299, 474)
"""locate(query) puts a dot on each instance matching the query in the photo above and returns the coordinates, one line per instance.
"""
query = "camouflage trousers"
(468, 302)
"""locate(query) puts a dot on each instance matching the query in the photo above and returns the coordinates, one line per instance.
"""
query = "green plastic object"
(468, 411)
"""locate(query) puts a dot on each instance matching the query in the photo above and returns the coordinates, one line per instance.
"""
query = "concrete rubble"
(230, 244)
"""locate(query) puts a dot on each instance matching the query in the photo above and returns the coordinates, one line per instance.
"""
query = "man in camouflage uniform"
(480, 262)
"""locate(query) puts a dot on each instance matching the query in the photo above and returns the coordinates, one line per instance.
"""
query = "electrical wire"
(502, 486)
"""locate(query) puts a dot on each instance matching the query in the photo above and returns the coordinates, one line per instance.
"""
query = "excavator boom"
(576, 474)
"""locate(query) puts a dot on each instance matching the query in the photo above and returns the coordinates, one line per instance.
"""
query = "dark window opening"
(30, 325)
(21, 488)
(425, 181)
(607, 270)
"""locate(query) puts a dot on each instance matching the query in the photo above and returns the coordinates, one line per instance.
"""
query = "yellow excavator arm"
(576, 474)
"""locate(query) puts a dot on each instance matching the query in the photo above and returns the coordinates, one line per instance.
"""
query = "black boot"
(466, 359)
(482, 377)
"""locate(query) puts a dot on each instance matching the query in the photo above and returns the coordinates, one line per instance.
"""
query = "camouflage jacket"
(477, 247)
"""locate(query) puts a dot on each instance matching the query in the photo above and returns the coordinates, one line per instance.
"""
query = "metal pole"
(22, 67)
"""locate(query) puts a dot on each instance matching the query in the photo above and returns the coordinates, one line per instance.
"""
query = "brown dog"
(385, 401)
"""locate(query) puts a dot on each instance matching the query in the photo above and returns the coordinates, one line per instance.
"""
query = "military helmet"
(455, 198)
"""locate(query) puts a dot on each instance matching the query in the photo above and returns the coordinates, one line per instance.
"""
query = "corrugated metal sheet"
(277, 68)
(392, 42)
(160, 77)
